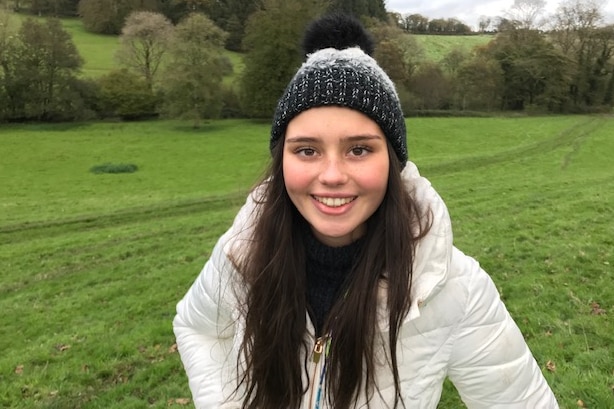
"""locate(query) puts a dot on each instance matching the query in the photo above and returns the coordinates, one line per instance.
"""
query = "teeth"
(334, 201)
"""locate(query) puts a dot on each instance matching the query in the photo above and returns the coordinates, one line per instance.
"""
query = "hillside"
(437, 46)
(98, 50)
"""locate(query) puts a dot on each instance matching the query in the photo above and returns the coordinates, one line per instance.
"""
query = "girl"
(338, 286)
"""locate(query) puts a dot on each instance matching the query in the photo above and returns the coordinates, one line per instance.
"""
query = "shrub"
(126, 95)
(114, 168)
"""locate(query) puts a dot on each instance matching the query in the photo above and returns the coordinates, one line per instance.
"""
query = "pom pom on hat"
(337, 31)
(340, 72)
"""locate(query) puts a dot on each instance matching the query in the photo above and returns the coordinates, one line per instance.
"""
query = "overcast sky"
(469, 11)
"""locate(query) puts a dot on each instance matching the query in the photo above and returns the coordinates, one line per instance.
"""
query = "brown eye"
(306, 151)
(359, 150)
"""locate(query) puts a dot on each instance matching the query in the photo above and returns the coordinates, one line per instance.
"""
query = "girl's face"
(335, 165)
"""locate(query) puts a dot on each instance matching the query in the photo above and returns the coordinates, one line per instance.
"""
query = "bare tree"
(577, 16)
(143, 43)
(525, 13)
(484, 23)
(578, 32)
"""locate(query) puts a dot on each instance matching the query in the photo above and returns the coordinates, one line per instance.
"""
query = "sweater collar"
(337, 258)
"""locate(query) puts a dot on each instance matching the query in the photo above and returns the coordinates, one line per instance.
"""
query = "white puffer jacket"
(457, 327)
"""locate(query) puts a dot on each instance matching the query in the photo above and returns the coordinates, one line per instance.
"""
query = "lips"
(334, 201)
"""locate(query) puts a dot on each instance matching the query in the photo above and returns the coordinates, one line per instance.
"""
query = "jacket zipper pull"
(318, 348)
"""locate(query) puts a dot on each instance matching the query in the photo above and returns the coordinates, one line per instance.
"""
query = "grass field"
(93, 265)
(97, 50)
(438, 46)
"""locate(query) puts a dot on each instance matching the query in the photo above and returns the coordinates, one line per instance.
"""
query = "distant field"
(97, 50)
(437, 46)
(92, 265)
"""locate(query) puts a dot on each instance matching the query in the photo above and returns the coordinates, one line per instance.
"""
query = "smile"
(334, 201)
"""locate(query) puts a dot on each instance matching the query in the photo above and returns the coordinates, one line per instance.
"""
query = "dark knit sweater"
(327, 270)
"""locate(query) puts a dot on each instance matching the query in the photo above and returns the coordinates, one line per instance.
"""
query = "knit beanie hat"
(340, 71)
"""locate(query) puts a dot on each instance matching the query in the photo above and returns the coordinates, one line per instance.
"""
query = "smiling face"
(335, 165)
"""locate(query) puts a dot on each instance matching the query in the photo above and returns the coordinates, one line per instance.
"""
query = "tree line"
(177, 69)
(108, 16)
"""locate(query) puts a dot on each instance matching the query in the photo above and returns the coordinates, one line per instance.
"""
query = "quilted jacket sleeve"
(204, 331)
(491, 365)
(205, 323)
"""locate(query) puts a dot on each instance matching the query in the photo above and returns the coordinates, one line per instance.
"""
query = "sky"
(469, 11)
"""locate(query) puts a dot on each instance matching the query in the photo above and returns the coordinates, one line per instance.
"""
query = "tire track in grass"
(99, 252)
(573, 135)
(19, 232)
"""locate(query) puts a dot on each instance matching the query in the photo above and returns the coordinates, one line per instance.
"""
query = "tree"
(43, 73)
(453, 60)
(126, 95)
(177, 10)
(437, 26)
(272, 42)
(532, 67)
(458, 27)
(55, 8)
(577, 32)
(503, 24)
(361, 8)
(143, 43)
(398, 53)
(231, 16)
(525, 13)
(193, 79)
(7, 66)
(479, 84)
(416, 24)
(484, 23)
(430, 87)
(108, 16)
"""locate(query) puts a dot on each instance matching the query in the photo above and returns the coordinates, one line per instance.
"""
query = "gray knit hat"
(339, 72)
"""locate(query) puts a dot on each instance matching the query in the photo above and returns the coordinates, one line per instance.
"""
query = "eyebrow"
(353, 138)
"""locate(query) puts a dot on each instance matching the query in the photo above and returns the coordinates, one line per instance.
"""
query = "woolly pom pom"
(338, 31)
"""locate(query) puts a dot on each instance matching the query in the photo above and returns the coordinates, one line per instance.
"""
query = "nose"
(333, 172)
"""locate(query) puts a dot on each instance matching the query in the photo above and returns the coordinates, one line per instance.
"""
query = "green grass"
(438, 46)
(176, 164)
(93, 265)
(97, 50)
(236, 59)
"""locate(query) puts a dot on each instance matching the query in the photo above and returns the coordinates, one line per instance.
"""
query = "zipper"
(317, 376)
(318, 348)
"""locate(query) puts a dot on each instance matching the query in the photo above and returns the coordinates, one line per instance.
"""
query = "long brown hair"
(274, 355)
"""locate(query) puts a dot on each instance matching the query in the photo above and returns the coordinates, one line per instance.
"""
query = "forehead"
(332, 120)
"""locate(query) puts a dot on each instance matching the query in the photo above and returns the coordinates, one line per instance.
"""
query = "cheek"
(294, 176)
(375, 179)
